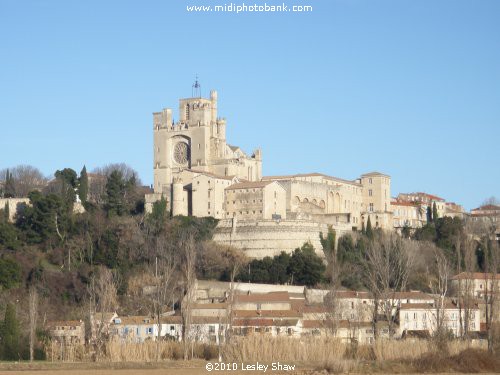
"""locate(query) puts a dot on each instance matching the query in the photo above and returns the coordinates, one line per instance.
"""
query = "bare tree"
(102, 302)
(26, 179)
(491, 201)
(466, 248)
(331, 301)
(128, 173)
(165, 265)
(389, 261)
(491, 263)
(188, 267)
(33, 314)
(234, 260)
(438, 284)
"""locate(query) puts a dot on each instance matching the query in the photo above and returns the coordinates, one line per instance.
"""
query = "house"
(476, 283)
(69, 332)
(265, 301)
(425, 316)
(133, 328)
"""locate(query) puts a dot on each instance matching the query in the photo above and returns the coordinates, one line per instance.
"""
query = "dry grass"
(325, 354)
(147, 351)
(387, 350)
(267, 349)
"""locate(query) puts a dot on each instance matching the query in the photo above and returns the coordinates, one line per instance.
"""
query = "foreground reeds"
(322, 353)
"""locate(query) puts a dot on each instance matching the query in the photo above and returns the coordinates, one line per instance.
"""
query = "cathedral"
(200, 174)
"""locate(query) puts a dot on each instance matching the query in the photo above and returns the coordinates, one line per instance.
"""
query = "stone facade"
(261, 238)
(196, 143)
(200, 174)
(260, 200)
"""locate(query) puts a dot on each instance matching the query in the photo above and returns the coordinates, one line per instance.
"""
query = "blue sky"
(409, 88)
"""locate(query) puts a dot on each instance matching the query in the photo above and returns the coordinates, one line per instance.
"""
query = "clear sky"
(408, 88)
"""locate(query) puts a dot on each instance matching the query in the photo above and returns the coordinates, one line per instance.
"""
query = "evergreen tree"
(429, 214)
(10, 187)
(68, 181)
(46, 218)
(115, 191)
(369, 230)
(10, 273)
(83, 186)
(8, 236)
(434, 212)
(158, 217)
(306, 268)
(6, 212)
(328, 242)
(363, 230)
(10, 335)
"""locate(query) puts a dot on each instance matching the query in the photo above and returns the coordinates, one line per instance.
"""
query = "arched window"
(187, 111)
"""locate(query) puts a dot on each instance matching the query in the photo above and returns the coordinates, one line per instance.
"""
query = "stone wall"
(15, 204)
(261, 238)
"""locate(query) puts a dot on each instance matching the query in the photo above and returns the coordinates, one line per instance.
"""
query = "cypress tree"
(115, 191)
(369, 230)
(10, 333)
(83, 186)
(429, 214)
(6, 212)
(10, 189)
(434, 212)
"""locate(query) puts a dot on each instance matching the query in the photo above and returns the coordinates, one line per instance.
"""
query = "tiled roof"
(266, 297)
(302, 307)
(64, 323)
(352, 294)
(314, 174)
(430, 196)
(411, 295)
(210, 174)
(253, 323)
(249, 185)
(267, 314)
(208, 306)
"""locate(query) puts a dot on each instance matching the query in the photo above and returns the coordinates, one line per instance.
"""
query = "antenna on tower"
(196, 89)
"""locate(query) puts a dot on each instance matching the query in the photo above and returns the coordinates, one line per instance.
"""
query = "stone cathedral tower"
(196, 143)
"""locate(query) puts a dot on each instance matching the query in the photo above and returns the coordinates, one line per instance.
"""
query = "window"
(209, 205)
(370, 193)
(371, 207)
(370, 180)
(211, 329)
